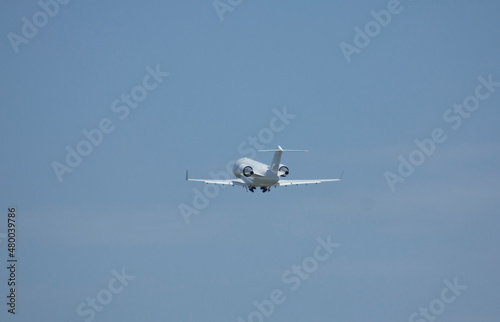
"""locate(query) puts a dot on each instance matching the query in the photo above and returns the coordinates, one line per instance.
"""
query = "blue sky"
(118, 209)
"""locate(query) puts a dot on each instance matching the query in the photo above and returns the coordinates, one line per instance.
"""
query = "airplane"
(251, 174)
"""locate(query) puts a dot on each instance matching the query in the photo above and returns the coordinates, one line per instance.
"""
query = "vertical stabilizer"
(275, 165)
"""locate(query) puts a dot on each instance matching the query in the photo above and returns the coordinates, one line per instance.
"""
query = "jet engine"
(283, 171)
(247, 171)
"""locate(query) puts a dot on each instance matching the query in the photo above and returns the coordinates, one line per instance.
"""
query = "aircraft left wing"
(231, 182)
(282, 183)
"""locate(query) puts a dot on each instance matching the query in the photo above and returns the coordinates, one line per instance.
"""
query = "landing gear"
(264, 189)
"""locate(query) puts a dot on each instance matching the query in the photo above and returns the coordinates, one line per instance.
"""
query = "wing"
(232, 182)
(297, 182)
(282, 183)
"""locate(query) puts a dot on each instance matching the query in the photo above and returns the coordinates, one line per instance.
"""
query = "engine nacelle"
(247, 171)
(283, 171)
(248, 168)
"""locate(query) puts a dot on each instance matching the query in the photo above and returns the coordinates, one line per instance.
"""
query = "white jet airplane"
(251, 174)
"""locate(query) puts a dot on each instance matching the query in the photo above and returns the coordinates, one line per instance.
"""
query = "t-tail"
(275, 164)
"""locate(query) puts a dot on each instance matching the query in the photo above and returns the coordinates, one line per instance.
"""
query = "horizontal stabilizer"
(282, 150)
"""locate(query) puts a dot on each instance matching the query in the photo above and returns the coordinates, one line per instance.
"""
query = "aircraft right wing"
(283, 183)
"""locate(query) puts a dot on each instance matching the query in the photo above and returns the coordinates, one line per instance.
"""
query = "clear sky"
(104, 105)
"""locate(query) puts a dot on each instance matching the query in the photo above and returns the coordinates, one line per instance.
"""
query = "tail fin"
(277, 157)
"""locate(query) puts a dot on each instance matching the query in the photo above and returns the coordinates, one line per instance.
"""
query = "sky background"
(119, 208)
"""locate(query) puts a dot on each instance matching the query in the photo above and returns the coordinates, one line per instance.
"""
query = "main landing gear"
(264, 189)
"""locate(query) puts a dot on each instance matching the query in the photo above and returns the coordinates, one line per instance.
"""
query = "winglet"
(187, 179)
(341, 175)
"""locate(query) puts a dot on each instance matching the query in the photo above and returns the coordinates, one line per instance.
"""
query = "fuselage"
(255, 173)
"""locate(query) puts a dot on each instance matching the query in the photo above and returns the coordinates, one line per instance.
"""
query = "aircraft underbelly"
(264, 181)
